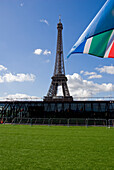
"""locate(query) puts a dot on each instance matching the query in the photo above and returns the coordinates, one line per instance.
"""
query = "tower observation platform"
(59, 78)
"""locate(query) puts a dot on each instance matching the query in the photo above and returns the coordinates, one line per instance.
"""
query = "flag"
(98, 38)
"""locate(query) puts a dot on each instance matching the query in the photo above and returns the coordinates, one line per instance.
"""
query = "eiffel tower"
(59, 78)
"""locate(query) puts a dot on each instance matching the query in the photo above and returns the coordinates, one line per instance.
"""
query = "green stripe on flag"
(99, 44)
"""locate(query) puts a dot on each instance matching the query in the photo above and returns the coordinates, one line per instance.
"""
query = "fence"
(60, 121)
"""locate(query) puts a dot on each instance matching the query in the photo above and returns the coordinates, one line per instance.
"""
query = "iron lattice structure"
(59, 78)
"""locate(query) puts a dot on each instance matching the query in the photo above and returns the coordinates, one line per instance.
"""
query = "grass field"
(26, 147)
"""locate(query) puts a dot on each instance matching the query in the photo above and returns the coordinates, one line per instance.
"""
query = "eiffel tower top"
(59, 18)
(59, 62)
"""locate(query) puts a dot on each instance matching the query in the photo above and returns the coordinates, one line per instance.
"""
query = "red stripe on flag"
(111, 54)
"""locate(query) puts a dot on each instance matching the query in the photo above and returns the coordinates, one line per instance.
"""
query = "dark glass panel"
(80, 107)
(52, 107)
(74, 106)
(88, 107)
(59, 107)
(103, 107)
(96, 107)
(66, 106)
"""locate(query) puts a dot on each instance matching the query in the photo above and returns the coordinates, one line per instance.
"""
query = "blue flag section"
(90, 39)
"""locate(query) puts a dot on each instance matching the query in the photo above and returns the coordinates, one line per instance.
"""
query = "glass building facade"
(41, 109)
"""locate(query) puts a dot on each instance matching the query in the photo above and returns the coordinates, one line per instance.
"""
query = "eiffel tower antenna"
(59, 18)
(59, 78)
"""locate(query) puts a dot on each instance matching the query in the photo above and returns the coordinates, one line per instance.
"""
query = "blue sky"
(28, 35)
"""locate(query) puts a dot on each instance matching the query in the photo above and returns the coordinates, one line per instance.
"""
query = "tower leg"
(65, 89)
(52, 90)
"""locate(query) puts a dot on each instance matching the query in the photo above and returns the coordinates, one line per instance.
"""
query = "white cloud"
(19, 96)
(5, 93)
(9, 77)
(95, 76)
(81, 72)
(86, 73)
(47, 61)
(21, 4)
(46, 52)
(92, 75)
(44, 21)
(106, 69)
(82, 88)
(38, 51)
(2, 68)
(59, 91)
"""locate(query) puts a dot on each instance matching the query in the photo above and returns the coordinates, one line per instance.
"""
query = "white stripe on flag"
(87, 45)
(108, 51)
(109, 45)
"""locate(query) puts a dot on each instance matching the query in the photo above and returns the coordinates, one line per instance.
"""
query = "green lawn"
(56, 147)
